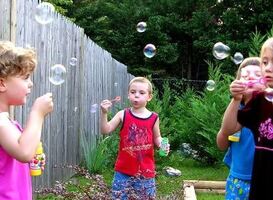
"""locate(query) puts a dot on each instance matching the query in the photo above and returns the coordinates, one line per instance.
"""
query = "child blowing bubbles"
(240, 154)
(17, 146)
(134, 168)
(257, 116)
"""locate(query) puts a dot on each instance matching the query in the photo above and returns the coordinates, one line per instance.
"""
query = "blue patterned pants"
(129, 187)
(237, 189)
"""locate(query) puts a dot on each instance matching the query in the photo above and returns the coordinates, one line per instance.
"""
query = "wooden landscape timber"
(189, 192)
(192, 186)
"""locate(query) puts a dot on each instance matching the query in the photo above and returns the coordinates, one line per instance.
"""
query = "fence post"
(13, 12)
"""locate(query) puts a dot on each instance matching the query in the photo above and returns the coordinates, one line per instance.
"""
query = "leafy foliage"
(184, 32)
(197, 117)
(94, 154)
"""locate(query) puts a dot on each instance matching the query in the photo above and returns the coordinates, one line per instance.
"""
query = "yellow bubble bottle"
(37, 163)
(235, 137)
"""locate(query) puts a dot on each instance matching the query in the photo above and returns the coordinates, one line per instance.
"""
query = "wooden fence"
(95, 77)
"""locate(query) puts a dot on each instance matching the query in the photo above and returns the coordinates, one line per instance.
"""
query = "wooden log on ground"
(189, 192)
(198, 184)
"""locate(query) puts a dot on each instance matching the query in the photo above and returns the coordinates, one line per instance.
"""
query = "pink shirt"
(15, 179)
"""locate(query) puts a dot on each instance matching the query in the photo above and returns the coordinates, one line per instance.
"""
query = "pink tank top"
(15, 179)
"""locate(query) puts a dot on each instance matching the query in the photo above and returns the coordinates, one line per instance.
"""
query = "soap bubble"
(268, 94)
(57, 74)
(237, 58)
(73, 61)
(210, 85)
(44, 13)
(94, 108)
(220, 51)
(149, 50)
(141, 27)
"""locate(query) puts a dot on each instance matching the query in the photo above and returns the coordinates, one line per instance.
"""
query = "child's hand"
(237, 89)
(167, 149)
(43, 104)
(164, 147)
(105, 105)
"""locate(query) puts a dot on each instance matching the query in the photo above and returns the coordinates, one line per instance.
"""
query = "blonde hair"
(246, 62)
(142, 80)
(16, 60)
(267, 44)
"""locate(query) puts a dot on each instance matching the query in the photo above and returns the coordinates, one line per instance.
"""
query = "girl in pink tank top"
(18, 146)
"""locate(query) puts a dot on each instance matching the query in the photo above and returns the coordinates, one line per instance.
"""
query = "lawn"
(94, 186)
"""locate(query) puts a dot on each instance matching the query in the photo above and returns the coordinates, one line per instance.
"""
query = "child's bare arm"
(23, 146)
(157, 135)
(222, 140)
(230, 123)
(109, 126)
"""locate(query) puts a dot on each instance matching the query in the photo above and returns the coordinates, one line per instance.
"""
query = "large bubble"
(149, 50)
(220, 51)
(210, 85)
(57, 74)
(237, 58)
(141, 27)
(44, 13)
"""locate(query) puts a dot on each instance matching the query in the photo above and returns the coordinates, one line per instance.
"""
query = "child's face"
(139, 94)
(17, 89)
(267, 66)
(251, 72)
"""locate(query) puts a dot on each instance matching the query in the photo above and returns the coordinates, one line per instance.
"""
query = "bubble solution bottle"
(235, 137)
(164, 145)
(37, 163)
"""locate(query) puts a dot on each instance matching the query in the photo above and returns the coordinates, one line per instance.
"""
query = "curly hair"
(16, 60)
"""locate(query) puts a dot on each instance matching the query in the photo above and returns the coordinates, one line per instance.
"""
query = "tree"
(184, 31)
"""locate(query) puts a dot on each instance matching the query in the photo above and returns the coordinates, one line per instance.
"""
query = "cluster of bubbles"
(221, 51)
(149, 50)
(57, 73)
(44, 14)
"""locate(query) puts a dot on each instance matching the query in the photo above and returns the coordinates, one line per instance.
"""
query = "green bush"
(195, 116)
(198, 116)
(94, 155)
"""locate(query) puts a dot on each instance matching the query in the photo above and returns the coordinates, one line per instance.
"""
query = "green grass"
(166, 185)
(190, 169)
(209, 196)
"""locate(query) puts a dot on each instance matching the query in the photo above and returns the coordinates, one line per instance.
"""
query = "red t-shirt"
(136, 147)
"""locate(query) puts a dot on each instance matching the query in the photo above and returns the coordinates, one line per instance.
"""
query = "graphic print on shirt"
(266, 129)
(137, 141)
